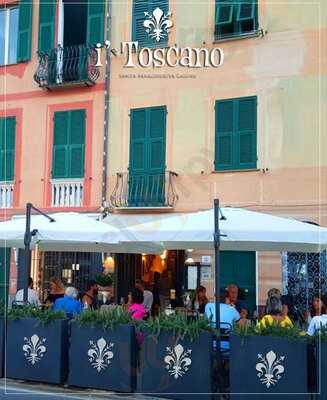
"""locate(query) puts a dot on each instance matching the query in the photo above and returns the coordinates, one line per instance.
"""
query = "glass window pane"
(2, 36)
(13, 35)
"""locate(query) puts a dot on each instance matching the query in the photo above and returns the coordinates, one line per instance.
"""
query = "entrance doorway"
(163, 275)
(239, 267)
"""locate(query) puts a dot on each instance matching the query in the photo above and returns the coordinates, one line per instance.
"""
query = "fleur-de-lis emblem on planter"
(178, 360)
(100, 354)
(157, 24)
(34, 349)
(269, 368)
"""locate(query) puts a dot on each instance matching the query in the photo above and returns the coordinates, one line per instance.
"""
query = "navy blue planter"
(2, 350)
(177, 368)
(37, 352)
(102, 359)
(264, 365)
(322, 370)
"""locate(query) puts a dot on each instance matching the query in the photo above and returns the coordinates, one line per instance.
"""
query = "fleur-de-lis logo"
(178, 360)
(269, 368)
(157, 24)
(100, 354)
(34, 349)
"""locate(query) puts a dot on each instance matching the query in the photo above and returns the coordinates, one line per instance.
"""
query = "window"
(7, 148)
(236, 134)
(147, 159)
(68, 144)
(139, 34)
(8, 35)
(234, 18)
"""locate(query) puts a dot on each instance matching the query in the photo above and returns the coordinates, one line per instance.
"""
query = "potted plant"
(177, 357)
(270, 361)
(103, 343)
(37, 345)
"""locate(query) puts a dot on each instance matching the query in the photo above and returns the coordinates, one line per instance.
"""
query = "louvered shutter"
(25, 30)
(95, 22)
(47, 13)
(77, 143)
(224, 141)
(7, 148)
(60, 159)
(246, 132)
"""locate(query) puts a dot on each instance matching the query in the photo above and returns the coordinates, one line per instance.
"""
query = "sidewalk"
(17, 390)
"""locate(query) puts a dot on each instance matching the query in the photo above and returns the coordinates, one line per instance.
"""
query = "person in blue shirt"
(228, 316)
(68, 303)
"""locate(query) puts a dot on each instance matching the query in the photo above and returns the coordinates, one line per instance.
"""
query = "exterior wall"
(286, 70)
(18, 90)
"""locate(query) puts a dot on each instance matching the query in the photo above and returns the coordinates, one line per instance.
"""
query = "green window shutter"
(139, 33)
(69, 144)
(224, 140)
(60, 162)
(138, 141)
(246, 10)
(77, 143)
(25, 30)
(95, 22)
(246, 132)
(7, 148)
(157, 139)
(47, 14)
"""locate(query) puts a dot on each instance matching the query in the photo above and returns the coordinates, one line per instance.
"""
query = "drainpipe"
(104, 191)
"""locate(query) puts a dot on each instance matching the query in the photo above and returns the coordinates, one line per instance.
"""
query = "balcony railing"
(6, 194)
(67, 193)
(144, 190)
(64, 66)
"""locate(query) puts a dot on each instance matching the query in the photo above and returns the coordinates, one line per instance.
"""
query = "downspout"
(104, 191)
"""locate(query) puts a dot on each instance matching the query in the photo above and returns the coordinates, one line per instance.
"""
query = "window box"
(107, 357)
(250, 358)
(159, 375)
(37, 352)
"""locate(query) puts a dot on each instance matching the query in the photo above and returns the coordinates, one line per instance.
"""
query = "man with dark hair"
(89, 298)
(147, 295)
(32, 296)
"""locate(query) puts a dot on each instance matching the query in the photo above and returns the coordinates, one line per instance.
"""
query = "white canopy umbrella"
(69, 232)
(241, 229)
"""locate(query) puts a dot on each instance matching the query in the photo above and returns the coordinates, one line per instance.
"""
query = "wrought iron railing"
(144, 190)
(67, 65)
(67, 193)
(6, 194)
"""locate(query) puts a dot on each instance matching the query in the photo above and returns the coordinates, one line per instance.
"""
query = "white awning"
(241, 230)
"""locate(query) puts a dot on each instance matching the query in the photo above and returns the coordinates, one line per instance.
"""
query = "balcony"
(6, 194)
(67, 66)
(67, 193)
(144, 191)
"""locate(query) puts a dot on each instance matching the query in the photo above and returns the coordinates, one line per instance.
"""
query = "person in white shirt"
(320, 319)
(147, 296)
(32, 296)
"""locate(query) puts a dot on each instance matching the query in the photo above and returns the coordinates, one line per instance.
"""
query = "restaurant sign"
(157, 26)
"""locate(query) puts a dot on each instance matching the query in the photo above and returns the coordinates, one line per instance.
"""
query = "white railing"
(67, 193)
(6, 194)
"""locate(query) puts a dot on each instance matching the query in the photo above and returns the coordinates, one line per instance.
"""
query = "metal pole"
(28, 255)
(217, 269)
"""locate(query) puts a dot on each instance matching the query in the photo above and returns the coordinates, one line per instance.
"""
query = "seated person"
(32, 296)
(68, 303)
(228, 316)
(274, 314)
(135, 301)
(244, 320)
(320, 318)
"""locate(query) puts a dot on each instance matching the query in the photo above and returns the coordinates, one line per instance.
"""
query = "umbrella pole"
(27, 242)
(217, 270)
(28, 253)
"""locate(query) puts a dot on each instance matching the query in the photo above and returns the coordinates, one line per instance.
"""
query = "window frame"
(7, 36)
(236, 21)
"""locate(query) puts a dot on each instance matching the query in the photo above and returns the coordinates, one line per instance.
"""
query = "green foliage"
(45, 316)
(274, 329)
(177, 324)
(107, 319)
(104, 279)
